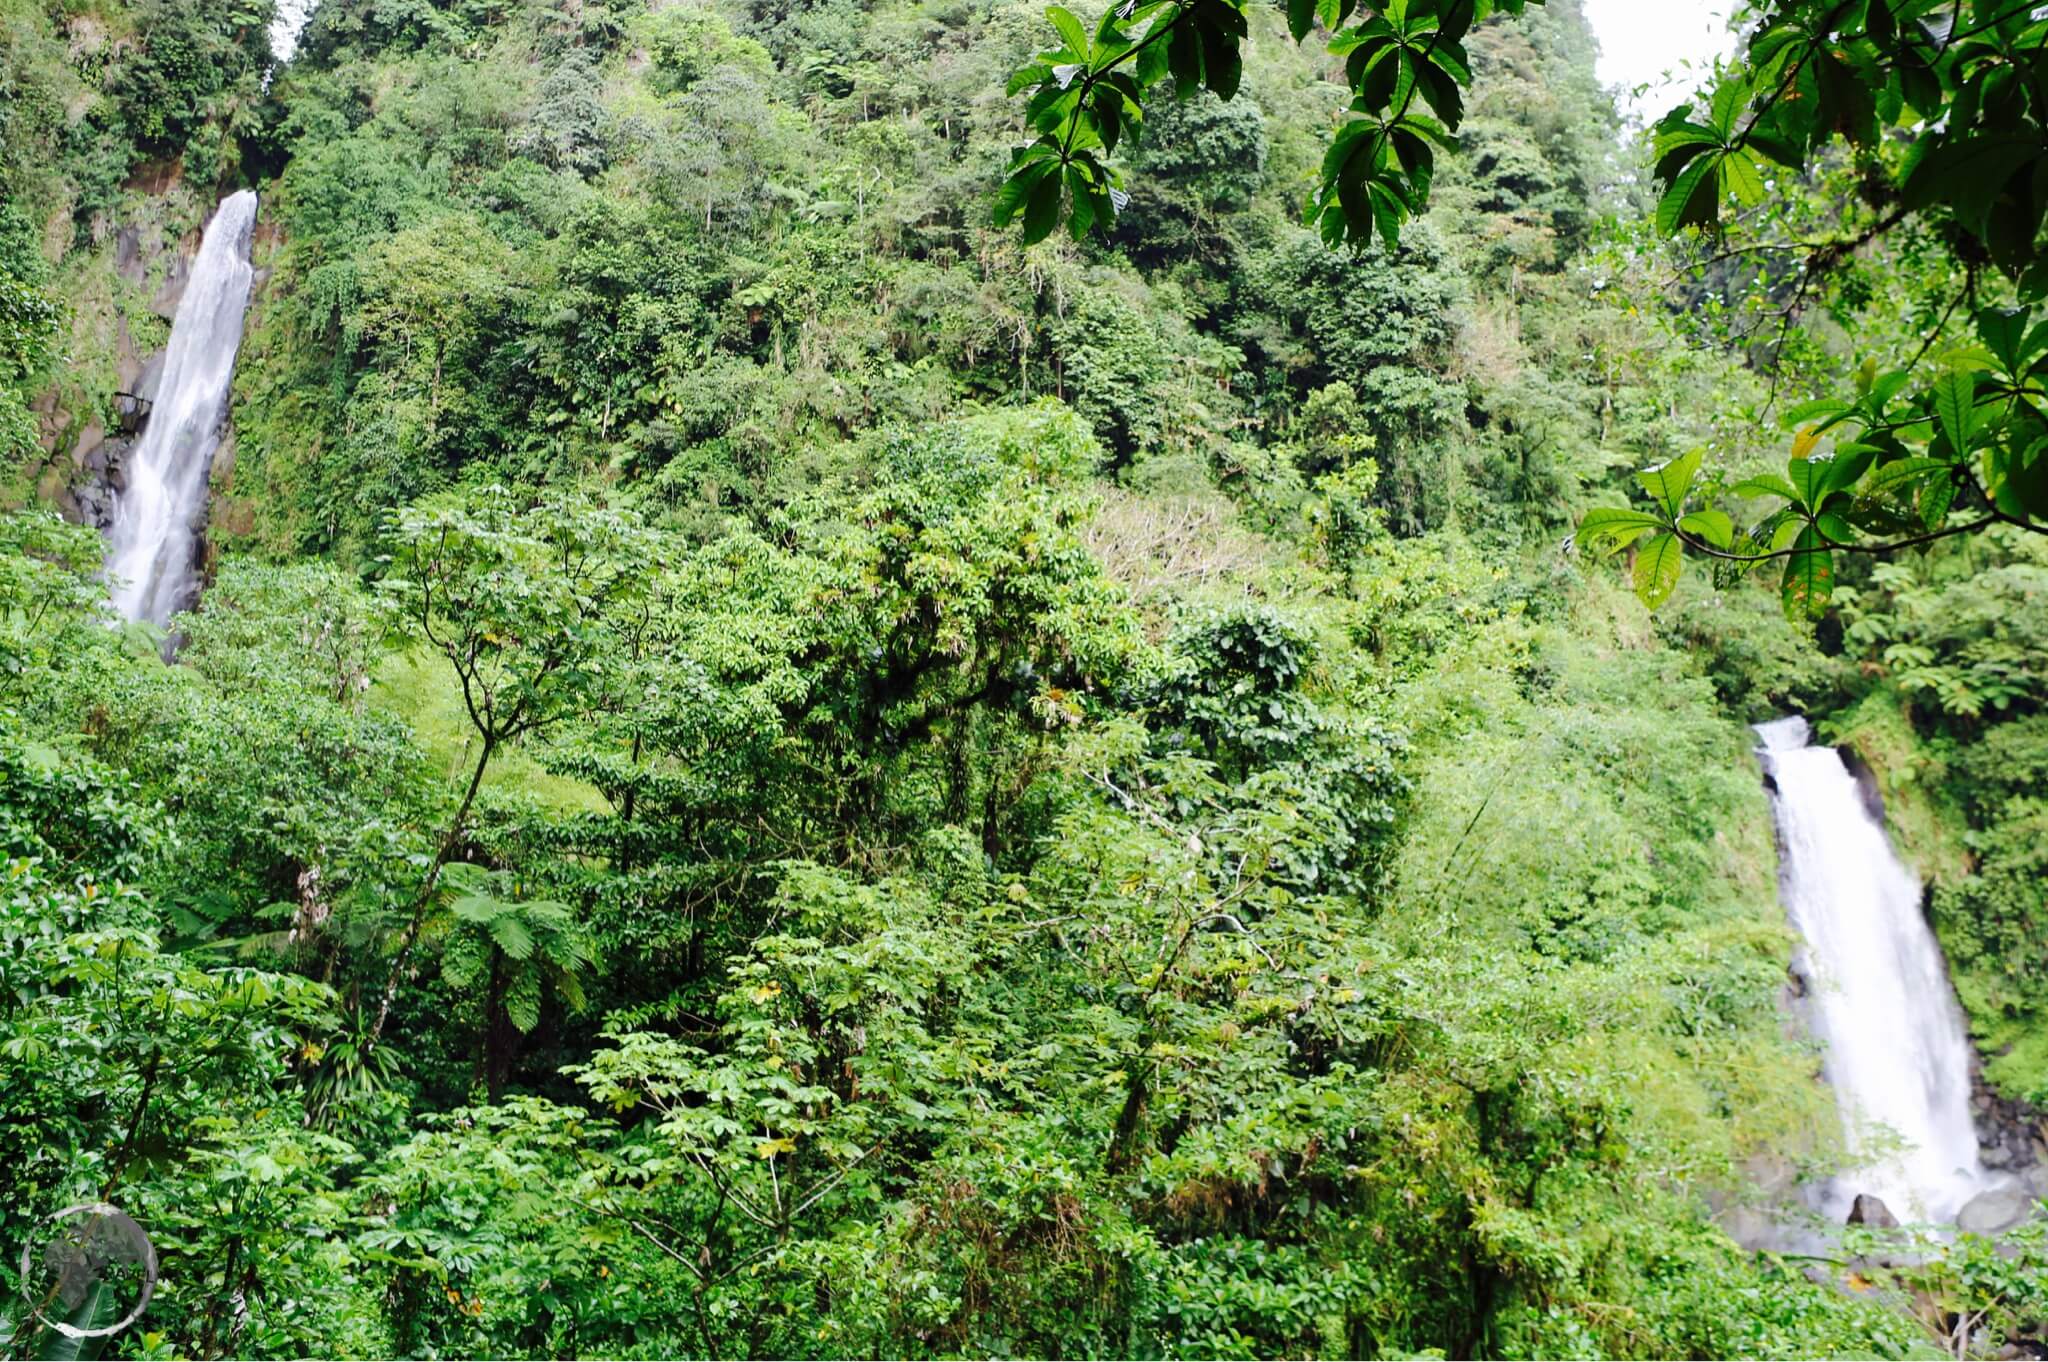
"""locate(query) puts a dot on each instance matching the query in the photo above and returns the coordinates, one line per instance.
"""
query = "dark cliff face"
(1866, 782)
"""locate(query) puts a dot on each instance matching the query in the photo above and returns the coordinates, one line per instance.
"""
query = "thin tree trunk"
(128, 1141)
(426, 894)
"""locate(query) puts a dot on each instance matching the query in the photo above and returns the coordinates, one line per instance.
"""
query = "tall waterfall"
(1897, 1055)
(153, 545)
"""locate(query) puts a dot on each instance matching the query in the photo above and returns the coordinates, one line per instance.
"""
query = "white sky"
(1665, 44)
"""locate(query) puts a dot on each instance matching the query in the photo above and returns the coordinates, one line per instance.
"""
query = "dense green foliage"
(1963, 83)
(1941, 112)
(766, 768)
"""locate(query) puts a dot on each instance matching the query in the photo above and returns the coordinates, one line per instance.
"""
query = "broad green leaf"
(1729, 101)
(99, 1309)
(1610, 529)
(2021, 482)
(1936, 496)
(1807, 478)
(1011, 197)
(1815, 410)
(1693, 198)
(1809, 577)
(1042, 209)
(1766, 485)
(1301, 17)
(1835, 529)
(1901, 474)
(1715, 527)
(1889, 385)
(1657, 566)
(2004, 333)
(1842, 471)
(1741, 180)
(1081, 213)
(1670, 136)
(1070, 30)
(1955, 397)
(1969, 173)
(1670, 482)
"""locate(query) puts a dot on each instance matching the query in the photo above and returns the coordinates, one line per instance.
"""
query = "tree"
(50, 591)
(521, 602)
(136, 1073)
(1089, 91)
(516, 947)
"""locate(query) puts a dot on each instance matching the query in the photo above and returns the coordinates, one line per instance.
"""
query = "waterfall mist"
(153, 544)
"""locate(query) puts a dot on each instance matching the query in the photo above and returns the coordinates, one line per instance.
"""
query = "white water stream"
(1897, 1054)
(153, 544)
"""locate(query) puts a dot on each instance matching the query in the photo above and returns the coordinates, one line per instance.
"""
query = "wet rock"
(1990, 1212)
(90, 438)
(177, 269)
(91, 503)
(1995, 1156)
(128, 262)
(131, 412)
(147, 378)
(1866, 783)
(221, 476)
(1869, 1210)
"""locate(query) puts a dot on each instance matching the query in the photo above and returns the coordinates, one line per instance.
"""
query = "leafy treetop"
(1939, 107)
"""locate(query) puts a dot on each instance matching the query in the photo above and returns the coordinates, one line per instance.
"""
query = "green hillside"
(764, 768)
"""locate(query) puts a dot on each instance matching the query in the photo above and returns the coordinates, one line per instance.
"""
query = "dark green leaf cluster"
(1963, 80)
(1090, 92)
(1905, 469)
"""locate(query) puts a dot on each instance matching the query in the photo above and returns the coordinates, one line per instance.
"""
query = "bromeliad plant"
(1903, 467)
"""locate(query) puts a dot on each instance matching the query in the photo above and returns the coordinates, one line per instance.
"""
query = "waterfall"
(1896, 1052)
(153, 544)
(285, 28)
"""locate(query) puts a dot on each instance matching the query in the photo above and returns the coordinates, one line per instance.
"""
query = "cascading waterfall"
(153, 544)
(1896, 1051)
(290, 21)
